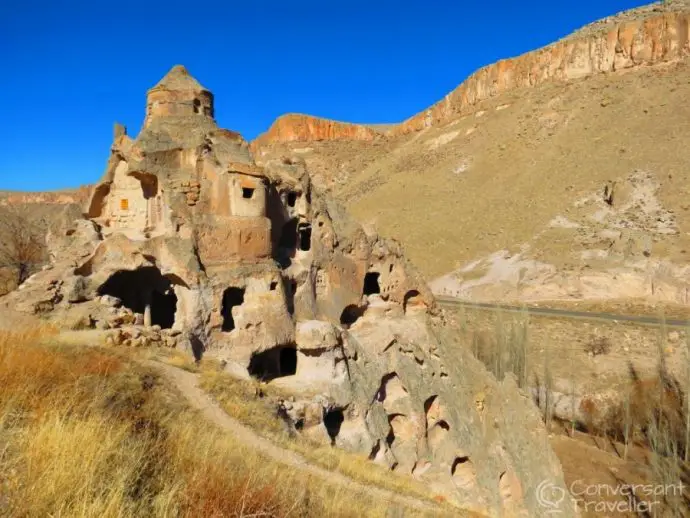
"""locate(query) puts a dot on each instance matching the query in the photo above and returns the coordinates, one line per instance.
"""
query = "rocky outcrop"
(188, 242)
(65, 197)
(660, 38)
(295, 127)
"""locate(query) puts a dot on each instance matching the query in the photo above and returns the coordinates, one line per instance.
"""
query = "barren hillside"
(503, 189)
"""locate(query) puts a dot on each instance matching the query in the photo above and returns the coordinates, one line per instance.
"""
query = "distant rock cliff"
(66, 197)
(645, 36)
(305, 128)
(658, 38)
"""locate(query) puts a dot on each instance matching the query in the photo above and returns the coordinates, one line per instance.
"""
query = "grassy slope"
(87, 432)
(526, 163)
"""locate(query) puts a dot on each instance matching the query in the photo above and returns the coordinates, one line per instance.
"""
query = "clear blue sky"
(69, 69)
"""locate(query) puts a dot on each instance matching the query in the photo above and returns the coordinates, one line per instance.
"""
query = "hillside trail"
(187, 384)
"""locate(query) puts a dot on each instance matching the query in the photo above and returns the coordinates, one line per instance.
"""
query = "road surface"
(564, 313)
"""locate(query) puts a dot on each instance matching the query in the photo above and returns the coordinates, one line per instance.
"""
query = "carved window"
(124, 204)
(247, 193)
(292, 199)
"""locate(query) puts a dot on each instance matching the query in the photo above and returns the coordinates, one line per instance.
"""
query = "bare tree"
(21, 244)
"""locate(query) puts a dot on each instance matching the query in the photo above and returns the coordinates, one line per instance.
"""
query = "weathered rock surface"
(304, 128)
(657, 38)
(188, 242)
(646, 36)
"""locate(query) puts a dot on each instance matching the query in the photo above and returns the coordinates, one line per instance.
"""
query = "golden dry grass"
(87, 432)
(240, 400)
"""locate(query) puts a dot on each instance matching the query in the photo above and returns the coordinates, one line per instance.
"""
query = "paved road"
(565, 313)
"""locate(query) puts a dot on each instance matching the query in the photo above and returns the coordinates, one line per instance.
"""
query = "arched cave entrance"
(371, 283)
(231, 297)
(412, 299)
(273, 363)
(350, 315)
(144, 287)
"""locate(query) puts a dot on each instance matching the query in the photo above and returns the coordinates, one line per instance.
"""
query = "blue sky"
(72, 68)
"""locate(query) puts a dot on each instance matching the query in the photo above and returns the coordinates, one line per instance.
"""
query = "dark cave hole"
(163, 307)
(371, 283)
(273, 363)
(333, 420)
(247, 193)
(231, 297)
(350, 314)
(145, 285)
(305, 237)
(291, 199)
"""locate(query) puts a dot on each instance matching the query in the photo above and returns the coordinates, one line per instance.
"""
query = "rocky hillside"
(560, 174)
(295, 127)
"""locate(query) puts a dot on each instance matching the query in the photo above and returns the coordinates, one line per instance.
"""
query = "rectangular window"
(124, 204)
(247, 193)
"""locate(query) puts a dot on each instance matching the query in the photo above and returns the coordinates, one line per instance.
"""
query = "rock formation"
(294, 127)
(662, 37)
(187, 242)
(650, 35)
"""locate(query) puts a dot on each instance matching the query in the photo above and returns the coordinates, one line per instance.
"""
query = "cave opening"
(371, 283)
(291, 199)
(247, 193)
(350, 315)
(412, 298)
(231, 297)
(273, 363)
(143, 287)
(304, 237)
(163, 307)
(333, 420)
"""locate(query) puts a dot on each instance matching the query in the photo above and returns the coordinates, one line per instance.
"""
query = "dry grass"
(254, 404)
(87, 432)
(551, 146)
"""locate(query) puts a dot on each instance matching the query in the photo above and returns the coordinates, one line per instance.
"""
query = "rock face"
(305, 128)
(188, 242)
(657, 38)
(650, 35)
(51, 198)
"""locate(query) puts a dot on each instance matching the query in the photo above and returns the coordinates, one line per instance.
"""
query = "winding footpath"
(187, 384)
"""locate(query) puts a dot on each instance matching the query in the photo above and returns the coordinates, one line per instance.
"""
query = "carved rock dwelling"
(187, 242)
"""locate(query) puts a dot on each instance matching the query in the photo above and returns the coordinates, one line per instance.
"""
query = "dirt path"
(187, 383)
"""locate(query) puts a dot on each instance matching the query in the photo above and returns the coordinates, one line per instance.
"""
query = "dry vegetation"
(21, 247)
(254, 404)
(89, 432)
(652, 415)
(549, 147)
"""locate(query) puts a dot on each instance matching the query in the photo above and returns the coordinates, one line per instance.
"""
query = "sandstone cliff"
(304, 128)
(65, 197)
(659, 38)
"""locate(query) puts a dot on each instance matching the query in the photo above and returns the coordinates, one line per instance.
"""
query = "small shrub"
(598, 345)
